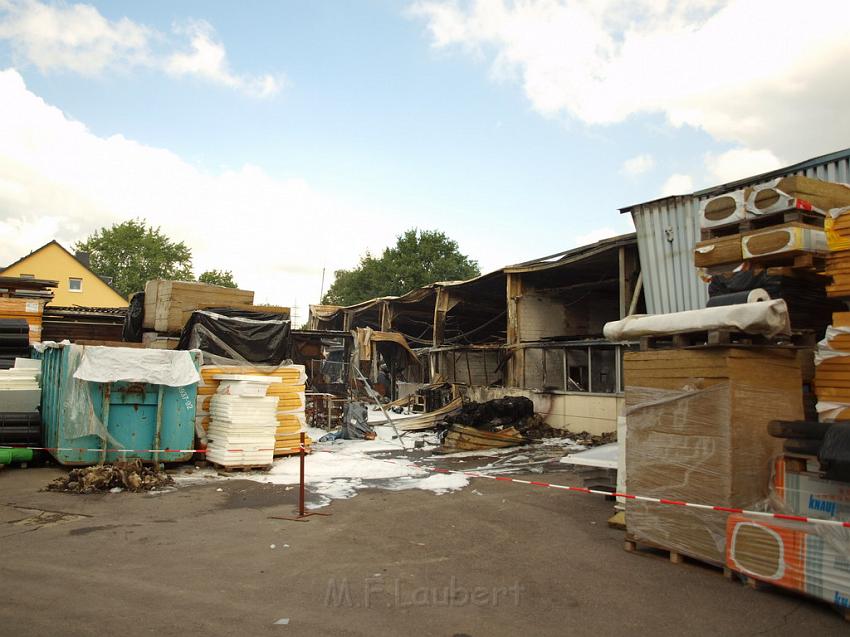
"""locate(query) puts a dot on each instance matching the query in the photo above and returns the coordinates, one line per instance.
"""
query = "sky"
(280, 139)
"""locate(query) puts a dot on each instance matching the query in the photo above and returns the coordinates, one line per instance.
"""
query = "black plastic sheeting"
(133, 320)
(260, 338)
(834, 454)
(808, 306)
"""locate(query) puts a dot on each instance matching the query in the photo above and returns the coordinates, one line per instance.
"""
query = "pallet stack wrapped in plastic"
(290, 392)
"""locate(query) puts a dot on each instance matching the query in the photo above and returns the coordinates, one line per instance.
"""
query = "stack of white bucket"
(243, 421)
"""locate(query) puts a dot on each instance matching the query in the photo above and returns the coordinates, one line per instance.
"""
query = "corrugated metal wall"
(668, 230)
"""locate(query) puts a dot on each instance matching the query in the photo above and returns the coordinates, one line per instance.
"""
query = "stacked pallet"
(775, 232)
(832, 371)
(697, 432)
(30, 310)
(169, 304)
(290, 393)
(241, 432)
(838, 262)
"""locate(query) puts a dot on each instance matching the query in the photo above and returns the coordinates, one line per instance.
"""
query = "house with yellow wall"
(78, 285)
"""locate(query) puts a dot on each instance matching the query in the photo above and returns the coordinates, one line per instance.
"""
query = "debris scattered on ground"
(129, 476)
(591, 440)
(494, 415)
(512, 412)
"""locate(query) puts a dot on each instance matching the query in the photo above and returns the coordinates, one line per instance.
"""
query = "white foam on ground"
(339, 469)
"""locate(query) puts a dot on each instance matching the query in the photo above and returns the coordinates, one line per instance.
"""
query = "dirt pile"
(128, 476)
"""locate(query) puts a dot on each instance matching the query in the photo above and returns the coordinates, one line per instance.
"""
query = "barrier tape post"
(302, 513)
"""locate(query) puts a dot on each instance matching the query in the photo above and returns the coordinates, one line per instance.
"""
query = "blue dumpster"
(137, 416)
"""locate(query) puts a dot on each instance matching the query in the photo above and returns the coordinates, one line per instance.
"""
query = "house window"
(75, 285)
(27, 276)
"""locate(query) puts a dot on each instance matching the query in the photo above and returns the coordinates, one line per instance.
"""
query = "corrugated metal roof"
(668, 230)
(571, 256)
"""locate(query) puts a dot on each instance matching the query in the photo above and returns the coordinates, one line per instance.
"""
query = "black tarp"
(260, 338)
(132, 332)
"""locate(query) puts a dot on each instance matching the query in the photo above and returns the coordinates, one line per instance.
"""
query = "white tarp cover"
(768, 318)
(154, 366)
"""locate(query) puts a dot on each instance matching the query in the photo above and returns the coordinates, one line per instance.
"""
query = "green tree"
(418, 258)
(223, 278)
(132, 253)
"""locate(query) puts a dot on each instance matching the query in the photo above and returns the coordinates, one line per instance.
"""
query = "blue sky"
(509, 127)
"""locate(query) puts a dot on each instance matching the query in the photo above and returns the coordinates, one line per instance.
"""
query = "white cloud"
(677, 184)
(80, 39)
(721, 168)
(728, 67)
(739, 163)
(208, 59)
(638, 165)
(61, 181)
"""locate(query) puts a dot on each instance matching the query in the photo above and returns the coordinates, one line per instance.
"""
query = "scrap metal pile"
(127, 476)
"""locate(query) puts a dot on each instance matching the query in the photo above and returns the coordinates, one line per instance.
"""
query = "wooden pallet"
(761, 585)
(761, 222)
(810, 261)
(714, 338)
(633, 545)
(239, 468)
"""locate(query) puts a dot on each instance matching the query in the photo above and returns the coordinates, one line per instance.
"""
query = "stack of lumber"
(78, 324)
(169, 305)
(832, 371)
(838, 263)
(290, 393)
(30, 310)
(242, 422)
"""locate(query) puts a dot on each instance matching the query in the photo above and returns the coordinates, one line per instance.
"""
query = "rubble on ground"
(494, 415)
(590, 440)
(131, 475)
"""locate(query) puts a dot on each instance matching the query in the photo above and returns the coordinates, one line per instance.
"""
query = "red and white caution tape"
(101, 450)
(640, 498)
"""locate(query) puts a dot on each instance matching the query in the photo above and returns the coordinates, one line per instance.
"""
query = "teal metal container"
(137, 416)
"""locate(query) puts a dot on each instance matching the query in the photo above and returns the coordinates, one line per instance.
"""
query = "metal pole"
(378, 402)
(301, 492)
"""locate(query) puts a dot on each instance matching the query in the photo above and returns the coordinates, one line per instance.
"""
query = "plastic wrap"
(832, 371)
(768, 318)
(723, 210)
(247, 337)
(290, 393)
(155, 366)
(700, 436)
(808, 558)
